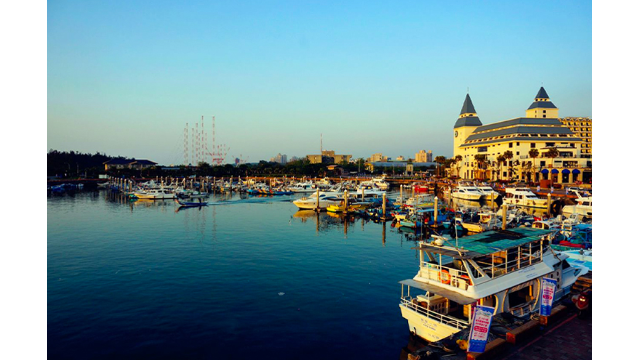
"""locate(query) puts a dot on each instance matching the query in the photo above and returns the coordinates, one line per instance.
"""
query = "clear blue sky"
(125, 76)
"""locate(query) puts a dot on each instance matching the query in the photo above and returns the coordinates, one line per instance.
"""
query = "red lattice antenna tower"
(186, 144)
(193, 146)
(219, 152)
(205, 147)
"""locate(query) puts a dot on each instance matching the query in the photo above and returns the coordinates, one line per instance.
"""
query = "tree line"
(71, 164)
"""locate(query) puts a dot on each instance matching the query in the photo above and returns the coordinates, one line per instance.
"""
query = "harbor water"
(247, 277)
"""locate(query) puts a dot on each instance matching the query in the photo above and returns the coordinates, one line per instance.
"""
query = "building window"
(544, 111)
(533, 145)
(544, 116)
(518, 144)
(510, 145)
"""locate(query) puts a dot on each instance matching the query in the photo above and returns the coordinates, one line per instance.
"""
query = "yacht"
(523, 196)
(487, 191)
(583, 206)
(466, 192)
(498, 269)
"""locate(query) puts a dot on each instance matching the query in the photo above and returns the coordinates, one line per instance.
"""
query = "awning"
(576, 171)
(438, 290)
(555, 171)
(566, 171)
(545, 171)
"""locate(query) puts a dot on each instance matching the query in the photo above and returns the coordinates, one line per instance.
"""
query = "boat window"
(521, 297)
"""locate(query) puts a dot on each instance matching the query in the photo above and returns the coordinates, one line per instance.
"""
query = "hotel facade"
(503, 150)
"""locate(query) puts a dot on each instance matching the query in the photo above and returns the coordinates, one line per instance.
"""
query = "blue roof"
(542, 94)
(467, 107)
(468, 121)
(542, 104)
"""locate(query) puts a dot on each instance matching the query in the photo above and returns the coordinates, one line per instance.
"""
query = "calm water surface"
(246, 278)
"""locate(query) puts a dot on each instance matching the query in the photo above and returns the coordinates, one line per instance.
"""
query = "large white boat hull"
(541, 203)
(426, 328)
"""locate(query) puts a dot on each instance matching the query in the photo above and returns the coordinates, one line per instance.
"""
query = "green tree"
(552, 153)
(508, 155)
(500, 160)
(458, 163)
(480, 161)
(440, 160)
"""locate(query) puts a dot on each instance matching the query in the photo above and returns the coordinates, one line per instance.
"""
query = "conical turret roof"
(468, 120)
(542, 101)
(467, 107)
(542, 94)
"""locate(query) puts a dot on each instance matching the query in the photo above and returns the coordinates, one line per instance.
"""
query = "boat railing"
(408, 302)
(502, 265)
(448, 276)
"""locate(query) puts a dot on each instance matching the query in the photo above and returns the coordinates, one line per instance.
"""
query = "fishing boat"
(499, 269)
(523, 196)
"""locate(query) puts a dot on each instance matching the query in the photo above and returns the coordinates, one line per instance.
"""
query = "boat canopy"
(488, 242)
(449, 294)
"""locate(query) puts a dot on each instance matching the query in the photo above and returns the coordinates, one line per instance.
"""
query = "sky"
(124, 78)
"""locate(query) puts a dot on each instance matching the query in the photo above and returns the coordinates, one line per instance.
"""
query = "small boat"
(192, 203)
(154, 194)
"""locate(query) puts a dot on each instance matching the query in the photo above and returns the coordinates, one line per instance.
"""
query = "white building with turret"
(478, 147)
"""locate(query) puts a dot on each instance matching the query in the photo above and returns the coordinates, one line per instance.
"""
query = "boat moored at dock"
(498, 269)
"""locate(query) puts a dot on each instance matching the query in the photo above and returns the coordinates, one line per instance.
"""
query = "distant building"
(128, 164)
(581, 126)
(400, 158)
(421, 156)
(377, 157)
(328, 157)
(280, 159)
(429, 156)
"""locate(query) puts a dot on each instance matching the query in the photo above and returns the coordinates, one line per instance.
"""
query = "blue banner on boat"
(480, 328)
(548, 290)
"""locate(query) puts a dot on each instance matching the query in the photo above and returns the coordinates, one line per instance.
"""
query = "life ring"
(441, 277)
(467, 279)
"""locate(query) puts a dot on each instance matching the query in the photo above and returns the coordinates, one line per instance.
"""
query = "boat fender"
(556, 207)
(582, 300)
(441, 276)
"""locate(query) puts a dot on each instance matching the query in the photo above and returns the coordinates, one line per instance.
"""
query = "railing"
(443, 319)
(434, 272)
(525, 257)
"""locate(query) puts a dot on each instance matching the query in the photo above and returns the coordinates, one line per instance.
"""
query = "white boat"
(154, 194)
(481, 221)
(380, 183)
(420, 200)
(312, 201)
(487, 191)
(498, 269)
(581, 257)
(523, 196)
(583, 206)
(303, 187)
(466, 192)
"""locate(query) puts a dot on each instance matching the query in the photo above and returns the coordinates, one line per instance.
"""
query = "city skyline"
(369, 77)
